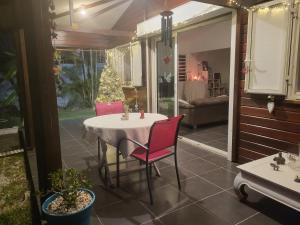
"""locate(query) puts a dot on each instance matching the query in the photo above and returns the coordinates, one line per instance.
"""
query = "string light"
(263, 9)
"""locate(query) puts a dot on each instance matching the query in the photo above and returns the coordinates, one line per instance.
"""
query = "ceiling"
(110, 22)
(102, 16)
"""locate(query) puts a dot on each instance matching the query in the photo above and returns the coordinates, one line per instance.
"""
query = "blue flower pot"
(81, 217)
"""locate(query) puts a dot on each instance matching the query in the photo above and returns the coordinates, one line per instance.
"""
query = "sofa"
(198, 107)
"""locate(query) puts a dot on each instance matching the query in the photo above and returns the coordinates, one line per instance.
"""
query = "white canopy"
(184, 15)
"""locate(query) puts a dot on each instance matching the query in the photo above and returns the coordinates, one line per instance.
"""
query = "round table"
(110, 129)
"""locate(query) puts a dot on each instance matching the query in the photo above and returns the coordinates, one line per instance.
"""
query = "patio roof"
(103, 23)
(184, 15)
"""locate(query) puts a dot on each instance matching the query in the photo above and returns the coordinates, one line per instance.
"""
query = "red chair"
(163, 135)
(105, 109)
(109, 108)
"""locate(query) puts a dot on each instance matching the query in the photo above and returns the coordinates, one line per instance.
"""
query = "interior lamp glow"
(82, 12)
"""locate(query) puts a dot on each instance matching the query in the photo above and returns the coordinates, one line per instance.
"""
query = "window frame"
(249, 57)
(292, 93)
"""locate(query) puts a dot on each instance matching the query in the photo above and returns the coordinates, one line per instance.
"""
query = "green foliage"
(67, 114)
(110, 88)
(9, 113)
(78, 79)
(8, 68)
(67, 183)
(14, 192)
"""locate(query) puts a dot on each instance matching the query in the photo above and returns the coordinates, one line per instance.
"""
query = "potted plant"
(71, 202)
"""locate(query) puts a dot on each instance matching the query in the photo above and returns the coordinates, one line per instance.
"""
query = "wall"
(206, 38)
(206, 44)
(218, 62)
(260, 133)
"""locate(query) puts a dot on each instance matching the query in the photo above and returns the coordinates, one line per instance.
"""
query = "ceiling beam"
(114, 33)
(88, 6)
(103, 10)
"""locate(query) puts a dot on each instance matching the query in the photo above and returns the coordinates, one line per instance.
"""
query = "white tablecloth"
(111, 129)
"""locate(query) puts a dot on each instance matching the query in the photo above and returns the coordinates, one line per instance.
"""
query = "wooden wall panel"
(271, 123)
(261, 133)
(80, 40)
(268, 141)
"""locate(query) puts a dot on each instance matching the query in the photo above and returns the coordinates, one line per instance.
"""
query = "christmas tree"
(110, 88)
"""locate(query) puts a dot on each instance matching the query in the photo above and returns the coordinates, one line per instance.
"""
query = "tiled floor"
(214, 135)
(207, 197)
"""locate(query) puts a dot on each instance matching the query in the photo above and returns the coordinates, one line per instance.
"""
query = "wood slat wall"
(261, 133)
(80, 40)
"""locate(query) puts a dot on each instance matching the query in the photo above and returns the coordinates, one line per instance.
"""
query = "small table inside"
(111, 129)
(279, 185)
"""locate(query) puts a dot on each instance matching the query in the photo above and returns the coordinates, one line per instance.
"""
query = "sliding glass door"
(166, 79)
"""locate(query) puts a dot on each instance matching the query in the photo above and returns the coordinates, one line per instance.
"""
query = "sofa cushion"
(185, 104)
(210, 101)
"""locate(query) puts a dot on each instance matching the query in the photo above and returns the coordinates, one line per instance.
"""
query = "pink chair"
(105, 109)
(109, 108)
(163, 135)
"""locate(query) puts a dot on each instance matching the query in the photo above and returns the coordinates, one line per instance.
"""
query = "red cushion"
(140, 153)
(109, 108)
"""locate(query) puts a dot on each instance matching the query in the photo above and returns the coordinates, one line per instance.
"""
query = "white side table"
(278, 185)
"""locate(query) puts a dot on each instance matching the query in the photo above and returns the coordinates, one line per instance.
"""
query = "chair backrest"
(164, 133)
(109, 108)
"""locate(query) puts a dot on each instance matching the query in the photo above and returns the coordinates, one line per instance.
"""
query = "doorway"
(165, 79)
(206, 67)
(203, 82)
(214, 61)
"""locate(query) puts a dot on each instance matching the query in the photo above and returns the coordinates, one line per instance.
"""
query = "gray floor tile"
(183, 156)
(227, 207)
(198, 151)
(223, 162)
(211, 134)
(272, 209)
(260, 219)
(218, 160)
(128, 212)
(75, 151)
(218, 145)
(192, 215)
(87, 163)
(136, 183)
(196, 188)
(106, 196)
(169, 174)
(153, 222)
(199, 166)
(164, 163)
(94, 218)
(166, 200)
(221, 177)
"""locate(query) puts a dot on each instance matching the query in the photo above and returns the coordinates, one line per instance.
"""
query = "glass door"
(166, 79)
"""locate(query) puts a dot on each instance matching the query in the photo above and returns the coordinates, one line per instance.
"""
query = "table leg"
(239, 187)
(156, 170)
(103, 163)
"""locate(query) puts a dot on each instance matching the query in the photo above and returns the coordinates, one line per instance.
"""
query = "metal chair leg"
(156, 169)
(105, 175)
(150, 172)
(118, 167)
(148, 181)
(177, 173)
(99, 146)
